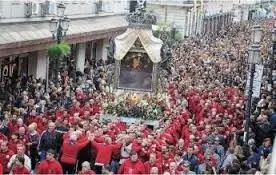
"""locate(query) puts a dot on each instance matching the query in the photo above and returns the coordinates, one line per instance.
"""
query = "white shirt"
(27, 162)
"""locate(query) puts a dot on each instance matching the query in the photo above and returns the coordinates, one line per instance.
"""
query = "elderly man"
(50, 139)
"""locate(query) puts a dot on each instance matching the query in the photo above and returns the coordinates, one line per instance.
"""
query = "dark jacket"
(49, 141)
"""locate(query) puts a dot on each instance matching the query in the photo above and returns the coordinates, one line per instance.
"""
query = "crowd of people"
(59, 131)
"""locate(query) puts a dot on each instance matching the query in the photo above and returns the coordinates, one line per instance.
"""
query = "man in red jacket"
(152, 163)
(50, 165)
(132, 165)
(19, 167)
(5, 155)
(70, 150)
(104, 152)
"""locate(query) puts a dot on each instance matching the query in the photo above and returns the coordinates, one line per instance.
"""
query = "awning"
(151, 44)
(18, 35)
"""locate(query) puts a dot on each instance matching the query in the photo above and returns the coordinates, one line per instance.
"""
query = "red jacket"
(49, 167)
(90, 172)
(104, 152)
(1, 169)
(20, 170)
(148, 167)
(5, 158)
(129, 167)
(70, 151)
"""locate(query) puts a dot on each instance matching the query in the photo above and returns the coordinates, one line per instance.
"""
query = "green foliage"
(59, 50)
(165, 33)
(163, 26)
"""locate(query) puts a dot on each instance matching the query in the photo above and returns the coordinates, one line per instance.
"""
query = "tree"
(59, 50)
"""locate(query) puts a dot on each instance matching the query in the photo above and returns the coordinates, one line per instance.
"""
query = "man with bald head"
(49, 140)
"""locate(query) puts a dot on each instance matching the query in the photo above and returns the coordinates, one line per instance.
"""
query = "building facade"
(25, 34)
(185, 15)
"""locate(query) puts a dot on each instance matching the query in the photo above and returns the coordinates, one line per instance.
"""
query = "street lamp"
(58, 27)
(256, 35)
(253, 59)
(173, 33)
(272, 63)
(60, 10)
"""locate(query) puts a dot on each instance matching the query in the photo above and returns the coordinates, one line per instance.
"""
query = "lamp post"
(254, 58)
(272, 62)
(59, 26)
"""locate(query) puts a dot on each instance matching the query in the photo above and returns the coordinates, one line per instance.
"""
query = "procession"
(129, 115)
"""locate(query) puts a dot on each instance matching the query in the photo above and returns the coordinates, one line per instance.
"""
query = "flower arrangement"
(147, 107)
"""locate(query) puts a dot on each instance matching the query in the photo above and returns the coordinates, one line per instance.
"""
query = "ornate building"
(25, 33)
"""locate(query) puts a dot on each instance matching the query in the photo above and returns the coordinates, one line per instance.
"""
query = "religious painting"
(136, 72)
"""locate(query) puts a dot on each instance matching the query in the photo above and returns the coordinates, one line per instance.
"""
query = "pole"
(249, 103)
(59, 37)
(272, 69)
(47, 74)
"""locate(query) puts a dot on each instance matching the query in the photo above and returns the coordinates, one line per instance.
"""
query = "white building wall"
(177, 15)
(212, 7)
(16, 8)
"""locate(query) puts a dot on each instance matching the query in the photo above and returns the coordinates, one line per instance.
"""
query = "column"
(185, 23)
(99, 49)
(41, 69)
(194, 21)
(188, 23)
(211, 25)
(186, 33)
(32, 64)
(104, 50)
(191, 22)
(207, 25)
(216, 23)
(80, 60)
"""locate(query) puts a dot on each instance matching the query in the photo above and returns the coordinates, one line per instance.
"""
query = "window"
(35, 9)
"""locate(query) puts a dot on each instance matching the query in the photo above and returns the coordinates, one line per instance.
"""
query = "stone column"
(216, 23)
(32, 64)
(80, 60)
(187, 22)
(184, 23)
(104, 49)
(207, 25)
(192, 22)
(41, 69)
(99, 49)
